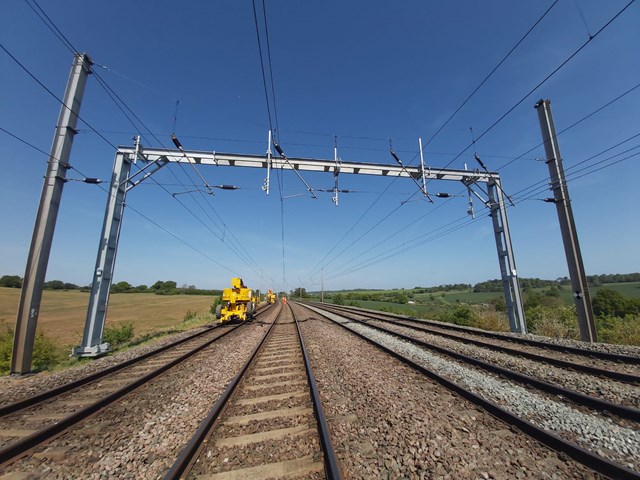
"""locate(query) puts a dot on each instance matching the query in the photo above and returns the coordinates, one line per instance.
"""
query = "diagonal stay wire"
(466, 100)
(397, 232)
(378, 259)
(65, 41)
(589, 115)
(233, 248)
(573, 175)
(264, 78)
(181, 240)
(567, 60)
(543, 183)
(273, 90)
(28, 72)
(539, 84)
(588, 170)
(440, 129)
(539, 189)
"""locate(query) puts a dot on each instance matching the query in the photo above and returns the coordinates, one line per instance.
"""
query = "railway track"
(623, 368)
(590, 401)
(33, 421)
(560, 439)
(269, 422)
(587, 386)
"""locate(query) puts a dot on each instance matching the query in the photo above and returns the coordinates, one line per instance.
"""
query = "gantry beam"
(154, 159)
(309, 164)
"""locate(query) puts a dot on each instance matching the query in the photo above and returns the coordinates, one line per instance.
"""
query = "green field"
(62, 313)
(629, 289)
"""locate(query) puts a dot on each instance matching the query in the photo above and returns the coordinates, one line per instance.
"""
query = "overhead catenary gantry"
(155, 158)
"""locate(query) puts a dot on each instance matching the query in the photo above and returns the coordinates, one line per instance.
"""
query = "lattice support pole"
(510, 284)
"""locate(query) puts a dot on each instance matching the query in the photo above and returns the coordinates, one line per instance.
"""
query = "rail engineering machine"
(271, 297)
(238, 303)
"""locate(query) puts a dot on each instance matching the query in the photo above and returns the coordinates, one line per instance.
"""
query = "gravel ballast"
(141, 435)
(596, 433)
(388, 421)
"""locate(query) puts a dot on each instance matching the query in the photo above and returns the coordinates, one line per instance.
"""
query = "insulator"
(176, 142)
(278, 149)
(92, 180)
(395, 156)
(443, 195)
(227, 187)
(480, 161)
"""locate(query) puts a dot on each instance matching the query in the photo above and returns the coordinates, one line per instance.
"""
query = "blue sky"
(366, 72)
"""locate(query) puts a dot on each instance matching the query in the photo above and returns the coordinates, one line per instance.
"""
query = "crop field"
(629, 289)
(63, 313)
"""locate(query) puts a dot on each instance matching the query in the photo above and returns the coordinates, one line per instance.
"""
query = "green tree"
(165, 288)
(299, 293)
(11, 281)
(608, 302)
(54, 285)
(338, 299)
(121, 287)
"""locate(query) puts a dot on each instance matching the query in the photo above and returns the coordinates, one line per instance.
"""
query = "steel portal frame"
(122, 181)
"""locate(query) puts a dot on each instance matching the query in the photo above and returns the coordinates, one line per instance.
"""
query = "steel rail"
(598, 404)
(54, 392)
(189, 453)
(585, 457)
(614, 357)
(330, 458)
(619, 376)
(16, 449)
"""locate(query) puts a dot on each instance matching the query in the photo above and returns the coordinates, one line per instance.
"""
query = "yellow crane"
(271, 297)
(238, 302)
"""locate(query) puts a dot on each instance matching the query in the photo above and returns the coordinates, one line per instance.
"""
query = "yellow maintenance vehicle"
(271, 297)
(238, 302)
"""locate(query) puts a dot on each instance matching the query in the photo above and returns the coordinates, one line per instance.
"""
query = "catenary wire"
(321, 262)
(494, 124)
(273, 90)
(234, 248)
(407, 246)
(153, 222)
(56, 31)
(264, 78)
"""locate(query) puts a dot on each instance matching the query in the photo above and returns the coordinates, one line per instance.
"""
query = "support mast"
(36, 269)
(582, 298)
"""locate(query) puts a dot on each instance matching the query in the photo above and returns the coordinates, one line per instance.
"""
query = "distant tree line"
(461, 287)
(596, 280)
(159, 288)
(529, 283)
(396, 296)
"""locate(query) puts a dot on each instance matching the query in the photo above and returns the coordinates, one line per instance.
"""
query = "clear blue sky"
(366, 71)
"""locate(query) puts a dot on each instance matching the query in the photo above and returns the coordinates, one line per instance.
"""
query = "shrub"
(117, 335)
(6, 346)
(490, 319)
(190, 315)
(460, 315)
(11, 281)
(608, 302)
(619, 330)
(46, 354)
(554, 321)
(216, 301)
